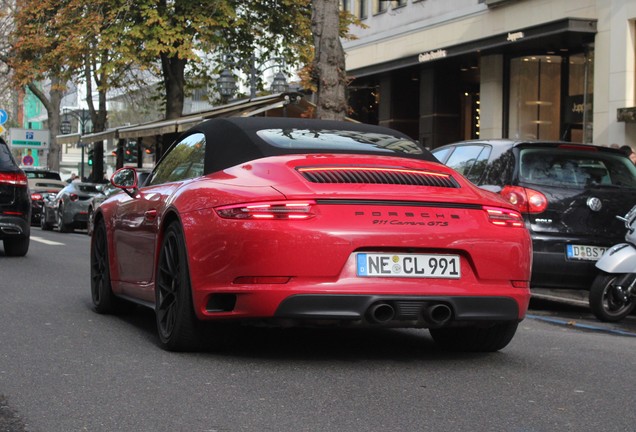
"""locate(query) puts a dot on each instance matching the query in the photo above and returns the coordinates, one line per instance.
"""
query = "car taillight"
(285, 210)
(13, 178)
(504, 217)
(525, 199)
(36, 197)
(73, 197)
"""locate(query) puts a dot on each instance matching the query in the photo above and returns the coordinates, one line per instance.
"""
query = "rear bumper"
(13, 227)
(76, 213)
(406, 308)
(552, 269)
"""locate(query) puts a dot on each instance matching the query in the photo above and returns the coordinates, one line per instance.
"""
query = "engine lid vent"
(377, 175)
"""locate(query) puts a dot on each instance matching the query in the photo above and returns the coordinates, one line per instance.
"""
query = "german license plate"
(585, 252)
(408, 265)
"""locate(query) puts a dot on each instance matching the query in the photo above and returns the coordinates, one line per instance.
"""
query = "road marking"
(48, 242)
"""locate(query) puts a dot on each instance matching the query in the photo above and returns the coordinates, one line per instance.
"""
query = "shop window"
(379, 6)
(577, 107)
(360, 9)
(535, 92)
(471, 113)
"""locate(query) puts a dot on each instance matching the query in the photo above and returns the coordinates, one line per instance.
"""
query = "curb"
(578, 325)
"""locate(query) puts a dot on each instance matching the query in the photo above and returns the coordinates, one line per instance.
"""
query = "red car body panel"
(264, 262)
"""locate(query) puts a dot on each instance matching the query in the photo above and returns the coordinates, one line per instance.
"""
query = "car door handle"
(150, 215)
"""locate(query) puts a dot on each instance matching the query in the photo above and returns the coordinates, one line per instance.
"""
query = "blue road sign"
(3, 116)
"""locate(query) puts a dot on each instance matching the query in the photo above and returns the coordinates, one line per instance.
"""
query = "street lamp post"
(227, 82)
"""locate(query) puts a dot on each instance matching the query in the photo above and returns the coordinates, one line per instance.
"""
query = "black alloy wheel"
(104, 301)
(44, 223)
(177, 324)
(60, 220)
(608, 301)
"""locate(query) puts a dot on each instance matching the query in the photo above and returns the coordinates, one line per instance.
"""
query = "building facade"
(444, 71)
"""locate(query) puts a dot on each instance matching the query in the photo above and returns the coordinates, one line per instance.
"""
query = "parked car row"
(42, 183)
(68, 209)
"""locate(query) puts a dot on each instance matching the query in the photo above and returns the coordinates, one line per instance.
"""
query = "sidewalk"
(573, 297)
(570, 308)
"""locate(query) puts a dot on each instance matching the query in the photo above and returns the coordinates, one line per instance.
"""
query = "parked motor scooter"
(613, 292)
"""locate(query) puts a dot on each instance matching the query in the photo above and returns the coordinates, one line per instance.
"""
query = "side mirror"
(126, 180)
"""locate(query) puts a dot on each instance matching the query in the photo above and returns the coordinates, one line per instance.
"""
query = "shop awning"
(100, 136)
(148, 129)
(73, 138)
(292, 102)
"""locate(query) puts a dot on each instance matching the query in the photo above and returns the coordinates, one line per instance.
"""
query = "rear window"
(470, 160)
(576, 169)
(49, 175)
(338, 140)
(44, 184)
(86, 188)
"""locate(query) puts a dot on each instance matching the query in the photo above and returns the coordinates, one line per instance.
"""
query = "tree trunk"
(52, 105)
(98, 116)
(174, 80)
(329, 62)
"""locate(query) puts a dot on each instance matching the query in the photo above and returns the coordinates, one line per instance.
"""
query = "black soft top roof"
(234, 140)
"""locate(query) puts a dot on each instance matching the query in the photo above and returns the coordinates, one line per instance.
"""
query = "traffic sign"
(3, 116)
(30, 138)
(2, 129)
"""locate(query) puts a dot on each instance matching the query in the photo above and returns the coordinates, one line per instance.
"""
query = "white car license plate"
(585, 252)
(408, 265)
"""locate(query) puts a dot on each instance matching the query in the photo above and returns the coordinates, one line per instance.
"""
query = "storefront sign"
(432, 55)
(627, 115)
(574, 109)
(513, 37)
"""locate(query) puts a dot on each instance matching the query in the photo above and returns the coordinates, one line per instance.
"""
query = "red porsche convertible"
(308, 222)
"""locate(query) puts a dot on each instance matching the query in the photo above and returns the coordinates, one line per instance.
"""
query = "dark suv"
(569, 195)
(15, 205)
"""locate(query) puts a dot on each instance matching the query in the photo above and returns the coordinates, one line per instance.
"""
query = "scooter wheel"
(606, 303)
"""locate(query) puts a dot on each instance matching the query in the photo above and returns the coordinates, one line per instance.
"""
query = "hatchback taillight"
(525, 199)
(73, 197)
(36, 197)
(13, 178)
(286, 210)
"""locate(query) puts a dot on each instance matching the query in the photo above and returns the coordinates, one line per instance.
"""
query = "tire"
(61, 226)
(475, 339)
(16, 247)
(177, 324)
(90, 223)
(104, 301)
(604, 302)
(44, 223)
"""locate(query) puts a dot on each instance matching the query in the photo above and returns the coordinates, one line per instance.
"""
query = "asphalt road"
(65, 368)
